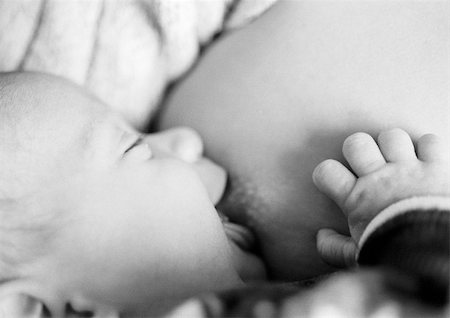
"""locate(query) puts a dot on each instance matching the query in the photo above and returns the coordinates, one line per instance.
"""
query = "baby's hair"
(25, 231)
(9, 141)
(8, 248)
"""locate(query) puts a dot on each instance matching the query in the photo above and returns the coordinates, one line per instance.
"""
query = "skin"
(274, 99)
(255, 156)
(131, 217)
(384, 172)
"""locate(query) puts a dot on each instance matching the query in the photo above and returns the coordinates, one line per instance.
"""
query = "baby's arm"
(391, 176)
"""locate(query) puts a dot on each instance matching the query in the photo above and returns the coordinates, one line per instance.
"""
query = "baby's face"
(138, 224)
(136, 238)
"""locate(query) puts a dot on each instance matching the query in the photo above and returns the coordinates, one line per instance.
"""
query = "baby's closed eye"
(139, 151)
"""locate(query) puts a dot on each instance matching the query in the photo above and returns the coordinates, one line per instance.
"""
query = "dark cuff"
(412, 239)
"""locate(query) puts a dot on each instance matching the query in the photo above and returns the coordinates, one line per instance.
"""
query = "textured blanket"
(363, 293)
(126, 52)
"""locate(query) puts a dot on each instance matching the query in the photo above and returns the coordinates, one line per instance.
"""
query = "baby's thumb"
(336, 249)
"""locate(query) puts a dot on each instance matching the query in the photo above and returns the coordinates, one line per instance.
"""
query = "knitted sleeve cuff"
(411, 240)
(423, 204)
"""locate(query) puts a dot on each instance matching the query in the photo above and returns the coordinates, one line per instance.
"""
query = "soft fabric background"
(126, 52)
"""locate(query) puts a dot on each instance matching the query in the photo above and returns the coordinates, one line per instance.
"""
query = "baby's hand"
(383, 174)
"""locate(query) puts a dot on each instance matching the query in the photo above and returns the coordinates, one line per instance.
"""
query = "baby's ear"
(27, 298)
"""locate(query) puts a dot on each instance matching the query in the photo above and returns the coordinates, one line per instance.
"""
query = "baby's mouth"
(239, 234)
(242, 241)
(218, 186)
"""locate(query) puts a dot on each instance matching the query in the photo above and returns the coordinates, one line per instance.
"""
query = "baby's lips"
(240, 235)
(213, 177)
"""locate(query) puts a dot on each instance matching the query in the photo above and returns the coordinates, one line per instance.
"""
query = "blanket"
(361, 293)
(125, 52)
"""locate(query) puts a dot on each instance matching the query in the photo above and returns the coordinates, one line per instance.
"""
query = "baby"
(126, 222)
(99, 217)
(291, 211)
(271, 100)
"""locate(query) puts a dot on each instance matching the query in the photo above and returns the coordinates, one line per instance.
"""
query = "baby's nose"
(183, 143)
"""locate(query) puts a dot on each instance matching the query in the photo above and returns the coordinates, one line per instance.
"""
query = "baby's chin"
(248, 265)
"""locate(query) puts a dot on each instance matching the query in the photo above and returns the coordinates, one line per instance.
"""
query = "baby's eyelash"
(137, 142)
(138, 152)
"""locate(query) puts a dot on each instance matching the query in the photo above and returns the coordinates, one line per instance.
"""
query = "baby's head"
(99, 216)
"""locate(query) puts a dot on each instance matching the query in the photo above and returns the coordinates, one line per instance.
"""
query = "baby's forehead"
(41, 126)
(45, 131)
(42, 112)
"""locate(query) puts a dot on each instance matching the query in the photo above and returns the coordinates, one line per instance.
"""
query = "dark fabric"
(416, 245)
(359, 293)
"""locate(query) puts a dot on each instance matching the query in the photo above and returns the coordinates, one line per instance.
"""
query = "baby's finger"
(334, 180)
(362, 153)
(336, 249)
(432, 148)
(396, 145)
